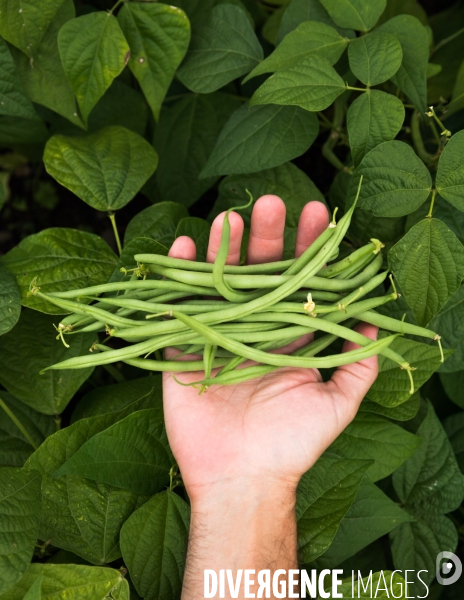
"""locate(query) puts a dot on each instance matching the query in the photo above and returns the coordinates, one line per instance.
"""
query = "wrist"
(254, 517)
(249, 490)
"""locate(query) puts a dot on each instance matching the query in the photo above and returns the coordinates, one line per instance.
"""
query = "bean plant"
(126, 125)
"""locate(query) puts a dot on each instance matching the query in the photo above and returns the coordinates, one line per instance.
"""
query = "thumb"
(350, 383)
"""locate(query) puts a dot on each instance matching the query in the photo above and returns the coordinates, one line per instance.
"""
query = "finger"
(183, 247)
(266, 243)
(314, 220)
(236, 232)
(350, 383)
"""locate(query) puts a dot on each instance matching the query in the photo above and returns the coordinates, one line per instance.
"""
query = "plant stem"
(113, 371)
(435, 133)
(417, 138)
(432, 202)
(57, 419)
(447, 40)
(18, 424)
(334, 136)
(356, 89)
(444, 132)
(111, 11)
(112, 217)
(325, 120)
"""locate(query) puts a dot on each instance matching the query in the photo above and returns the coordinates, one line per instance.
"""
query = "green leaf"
(430, 481)
(261, 137)
(35, 591)
(415, 547)
(184, 138)
(429, 265)
(19, 521)
(325, 494)
(23, 24)
(15, 448)
(73, 582)
(120, 105)
(411, 77)
(371, 516)
(286, 181)
(391, 387)
(93, 51)
(309, 38)
(373, 118)
(78, 514)
(443, 211)
(371, 437)
(60, 259)
(111, 398)
(404, 7)
(13, 100)
(4, 187)
(46, 82)
(15, 130)
(272, 24)
(139, 245)
(403, 412)
(299, 11)
(223, 48)
(105, 169)
(395, 180)
(158, 222)
(10, 301)
(457, 97)
(361, 15)
(312, 84)
(30, 347)
(453, 384)
(447, 50)
(154, 546)
(375, 58)
(454, 427)
(450, 326)
(133, 454)
(198, 230)
(450, 174)
(158, 37)
(377, 585)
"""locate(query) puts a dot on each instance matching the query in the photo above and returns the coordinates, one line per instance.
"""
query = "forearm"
(240, 527)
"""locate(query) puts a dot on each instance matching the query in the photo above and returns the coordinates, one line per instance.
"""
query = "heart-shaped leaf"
(312, 84)
(105, 169)
(93, 51)
(158, 36)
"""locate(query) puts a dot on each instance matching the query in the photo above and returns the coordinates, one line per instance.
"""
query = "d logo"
(445, 563)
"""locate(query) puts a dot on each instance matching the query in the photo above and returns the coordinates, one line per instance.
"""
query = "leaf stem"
(334, 137)
(356, 89)
(115, 373)
(417, 138)
(444, 132)
(111, 11)
(18, 424)
(432, 202)
(435, 133)
(112, 217)
(447, 40)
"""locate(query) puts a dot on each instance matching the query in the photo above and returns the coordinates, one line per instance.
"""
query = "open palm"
(276, 426)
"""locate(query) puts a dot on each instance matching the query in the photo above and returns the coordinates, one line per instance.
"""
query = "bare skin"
(242, 449)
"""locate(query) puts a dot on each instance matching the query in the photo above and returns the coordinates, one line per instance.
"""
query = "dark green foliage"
(161, 117)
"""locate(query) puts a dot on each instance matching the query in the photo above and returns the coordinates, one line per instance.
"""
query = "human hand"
(271, 429)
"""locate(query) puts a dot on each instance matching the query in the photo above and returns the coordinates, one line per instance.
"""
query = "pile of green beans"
(218, 316)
